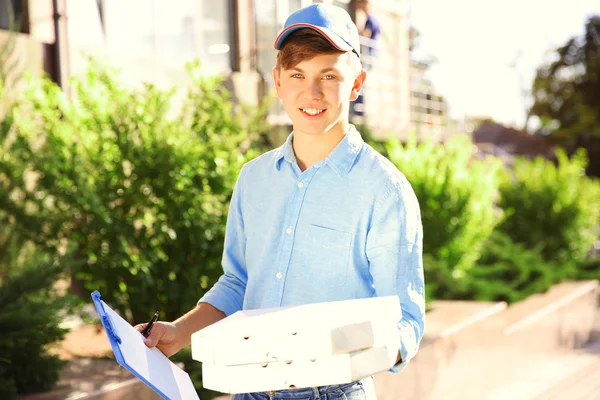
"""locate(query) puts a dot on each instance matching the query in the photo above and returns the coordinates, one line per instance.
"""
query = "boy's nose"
(313, 91)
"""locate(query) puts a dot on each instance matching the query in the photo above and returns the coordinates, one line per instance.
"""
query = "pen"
(146, 330)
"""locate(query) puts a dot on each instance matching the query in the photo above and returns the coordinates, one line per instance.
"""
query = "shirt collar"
(286, 151)
(341, 159)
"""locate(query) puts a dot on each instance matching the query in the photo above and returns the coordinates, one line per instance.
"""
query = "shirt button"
(300, 185)
(279, 275)
(289, 231)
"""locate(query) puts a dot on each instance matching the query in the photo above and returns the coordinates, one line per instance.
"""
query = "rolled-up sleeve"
(228, 293)
(394, 250)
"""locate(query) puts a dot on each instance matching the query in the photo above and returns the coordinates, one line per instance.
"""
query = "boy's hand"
(170, 337)
(163, 335)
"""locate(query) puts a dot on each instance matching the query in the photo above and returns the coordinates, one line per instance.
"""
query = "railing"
(384, 105)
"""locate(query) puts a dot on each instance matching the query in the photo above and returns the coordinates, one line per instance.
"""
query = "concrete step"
(573, 376)
(583, 385)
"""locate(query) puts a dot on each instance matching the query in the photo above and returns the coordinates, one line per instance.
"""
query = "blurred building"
(429, 113)
(17, 51)
(151, 40)
(507, 143)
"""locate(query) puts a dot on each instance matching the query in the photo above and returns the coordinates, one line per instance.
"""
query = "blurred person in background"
(370, 29)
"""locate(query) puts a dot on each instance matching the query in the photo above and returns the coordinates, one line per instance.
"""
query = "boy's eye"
(297, 76)
(328, 77)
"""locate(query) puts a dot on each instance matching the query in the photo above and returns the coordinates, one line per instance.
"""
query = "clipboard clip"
(110, 329)
(106, 321)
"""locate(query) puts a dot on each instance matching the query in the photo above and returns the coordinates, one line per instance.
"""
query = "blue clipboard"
(149, 365)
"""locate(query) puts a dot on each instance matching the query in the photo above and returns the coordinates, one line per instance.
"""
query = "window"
(14, 12)
(172, 32)
(265, 15)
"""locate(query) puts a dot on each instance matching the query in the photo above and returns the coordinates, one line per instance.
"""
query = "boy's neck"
(310, 149)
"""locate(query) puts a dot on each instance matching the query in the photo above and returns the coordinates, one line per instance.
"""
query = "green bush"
(456, 194)
(588, 269)
(552, 220)
(505, 271)
(30, 315)
(509, 272)
(552, 209)
(119, 179)
(440, 284)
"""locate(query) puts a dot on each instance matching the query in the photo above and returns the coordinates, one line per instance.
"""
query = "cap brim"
(333, 38)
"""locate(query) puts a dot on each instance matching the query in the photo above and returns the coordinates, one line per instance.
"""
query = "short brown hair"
(305, 44)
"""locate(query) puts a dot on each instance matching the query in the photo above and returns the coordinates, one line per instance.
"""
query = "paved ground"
(581, 385)
(575, 376)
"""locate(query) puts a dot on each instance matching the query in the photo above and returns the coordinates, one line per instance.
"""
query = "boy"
(323, 217)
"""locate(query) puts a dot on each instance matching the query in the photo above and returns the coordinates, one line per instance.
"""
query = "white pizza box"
(331, 370)
(301, 332)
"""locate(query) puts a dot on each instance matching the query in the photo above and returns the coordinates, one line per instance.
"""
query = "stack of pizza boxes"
(301, 346)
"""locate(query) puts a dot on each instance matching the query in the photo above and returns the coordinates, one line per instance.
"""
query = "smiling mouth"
(312, 111)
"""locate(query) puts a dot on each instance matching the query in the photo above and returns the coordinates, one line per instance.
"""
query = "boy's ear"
(277, 80)
(359, 81)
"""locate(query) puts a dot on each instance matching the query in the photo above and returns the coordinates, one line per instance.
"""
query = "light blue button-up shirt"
(348, 227)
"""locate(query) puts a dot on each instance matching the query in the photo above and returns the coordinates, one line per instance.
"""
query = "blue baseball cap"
(333, 22)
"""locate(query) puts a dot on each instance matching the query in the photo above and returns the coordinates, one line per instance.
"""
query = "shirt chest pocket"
(326, 257)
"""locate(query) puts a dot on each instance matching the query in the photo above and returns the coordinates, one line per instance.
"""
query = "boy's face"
(316, 93)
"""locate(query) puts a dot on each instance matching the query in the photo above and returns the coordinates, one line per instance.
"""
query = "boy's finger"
(153, 337)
